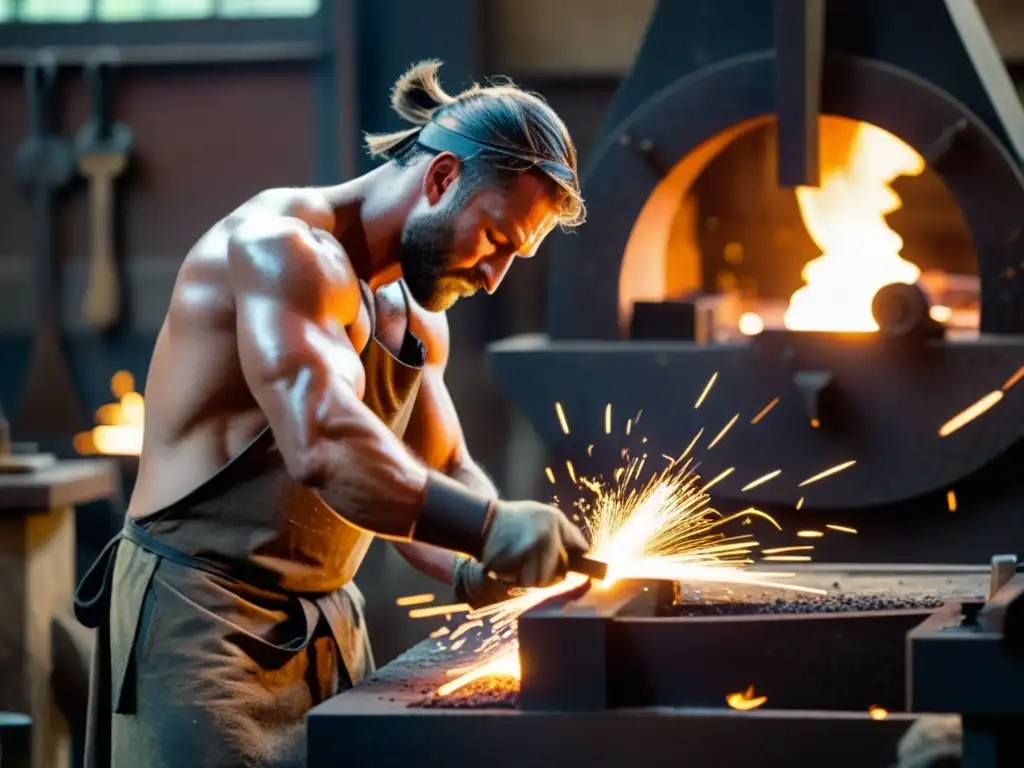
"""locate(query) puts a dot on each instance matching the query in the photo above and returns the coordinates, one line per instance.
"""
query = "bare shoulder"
(307, 204)
(284, 250)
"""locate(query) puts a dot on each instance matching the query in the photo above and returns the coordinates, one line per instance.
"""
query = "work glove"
(475, 586)
(528, 544)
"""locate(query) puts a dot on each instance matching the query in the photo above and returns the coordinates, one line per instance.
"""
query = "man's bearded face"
(428, 261)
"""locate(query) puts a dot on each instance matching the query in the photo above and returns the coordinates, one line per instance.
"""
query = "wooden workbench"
(37, 583)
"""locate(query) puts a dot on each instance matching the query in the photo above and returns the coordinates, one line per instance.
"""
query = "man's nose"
(494, 270)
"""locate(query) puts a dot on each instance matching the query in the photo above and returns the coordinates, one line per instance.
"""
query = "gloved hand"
(473, 585)
(528, 543)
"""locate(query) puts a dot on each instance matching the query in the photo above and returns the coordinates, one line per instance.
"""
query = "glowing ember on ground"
(845, 217)
(745, 701)
(121, 424)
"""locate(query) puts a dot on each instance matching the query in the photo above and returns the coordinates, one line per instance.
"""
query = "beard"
(426, 263)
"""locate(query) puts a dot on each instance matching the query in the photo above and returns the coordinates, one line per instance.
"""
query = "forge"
(818, 205)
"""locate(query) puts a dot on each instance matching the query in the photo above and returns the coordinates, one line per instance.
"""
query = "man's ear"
(442, 171)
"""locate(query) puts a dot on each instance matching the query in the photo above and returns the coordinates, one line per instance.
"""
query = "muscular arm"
(295, 295)
(435, 435)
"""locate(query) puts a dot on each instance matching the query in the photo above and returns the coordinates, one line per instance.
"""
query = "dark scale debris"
(825, 604)
(498, 692)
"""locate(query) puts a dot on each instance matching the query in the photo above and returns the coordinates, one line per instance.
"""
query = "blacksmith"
(296, 407)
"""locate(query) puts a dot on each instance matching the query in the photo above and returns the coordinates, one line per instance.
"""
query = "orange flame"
(745, 701)
(845, 217)
(121, 424)
(877, 713)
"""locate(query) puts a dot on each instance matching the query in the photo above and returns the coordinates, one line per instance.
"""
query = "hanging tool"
(45, 165)
(102, 148)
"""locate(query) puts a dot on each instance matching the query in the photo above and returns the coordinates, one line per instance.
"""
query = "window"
(113, 11)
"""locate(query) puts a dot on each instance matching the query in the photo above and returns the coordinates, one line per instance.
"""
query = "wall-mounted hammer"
(102, 148)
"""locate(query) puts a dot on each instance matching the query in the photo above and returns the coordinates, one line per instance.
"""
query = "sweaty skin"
(266, 325)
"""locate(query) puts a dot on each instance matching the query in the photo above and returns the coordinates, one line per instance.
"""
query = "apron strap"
(92, 598)
(142, 538)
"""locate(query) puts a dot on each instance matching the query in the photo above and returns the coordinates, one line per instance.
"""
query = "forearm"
(440, 563)
(471, 475)
(357, 465)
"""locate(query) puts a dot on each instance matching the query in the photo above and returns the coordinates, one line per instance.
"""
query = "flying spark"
(439, 610)
(550, 474)
(764, 411)
(693, 442)
(877, 713)
(721, 476)
(840, 528)
(725, 429)
(561, 418)
(970, 413)
(780, 550)
(800, 503)
(828, 473)
(761, 480)
(415, 600)
(707, 389)
(663, 529)
(951, 500)
(1013, 379)
(810, 534)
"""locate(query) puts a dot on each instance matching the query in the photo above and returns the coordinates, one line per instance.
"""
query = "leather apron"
(221, 619)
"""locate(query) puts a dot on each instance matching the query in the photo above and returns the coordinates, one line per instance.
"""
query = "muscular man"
(296, 406)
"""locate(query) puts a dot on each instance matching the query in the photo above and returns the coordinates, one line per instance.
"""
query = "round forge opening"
(720, 229)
